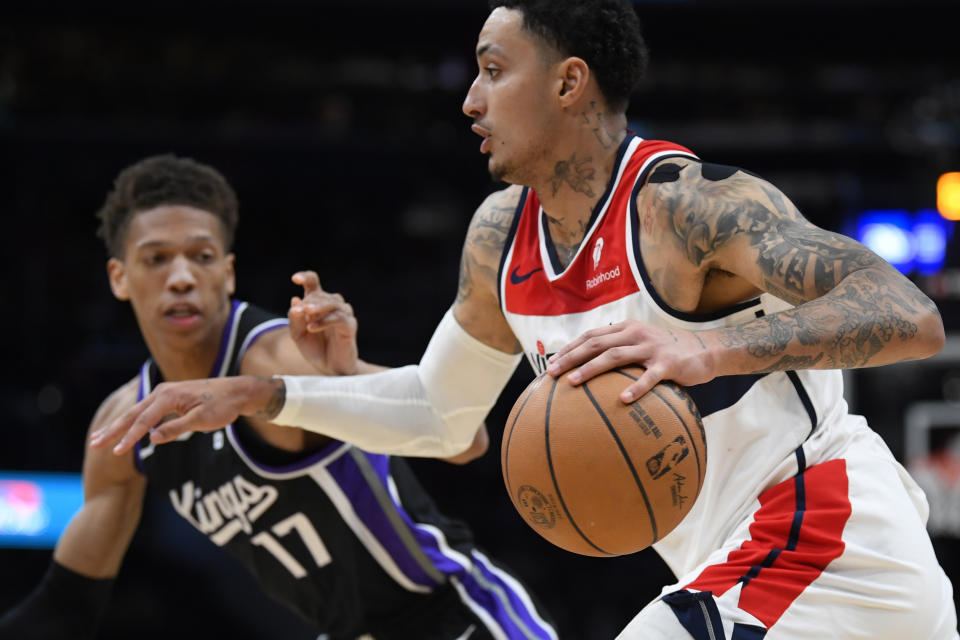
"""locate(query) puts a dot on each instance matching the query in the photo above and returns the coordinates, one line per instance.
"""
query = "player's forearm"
(430, 409)
(386, 412)
(874, 316)
(97, 538)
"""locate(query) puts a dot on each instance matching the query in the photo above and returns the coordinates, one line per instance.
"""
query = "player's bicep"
(477, 307)
(729, 220)
(781, 252)
(798, 261)
(275, 353)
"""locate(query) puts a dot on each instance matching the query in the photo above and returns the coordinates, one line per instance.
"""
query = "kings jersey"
(346, 538)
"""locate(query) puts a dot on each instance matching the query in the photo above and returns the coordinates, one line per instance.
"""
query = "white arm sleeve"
(431, 409)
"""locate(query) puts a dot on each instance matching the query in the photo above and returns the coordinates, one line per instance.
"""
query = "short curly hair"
(165, 180)
(605, 33)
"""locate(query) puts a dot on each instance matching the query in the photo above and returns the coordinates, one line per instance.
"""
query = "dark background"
(339, 125)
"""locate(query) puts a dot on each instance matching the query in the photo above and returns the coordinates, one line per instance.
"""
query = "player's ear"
(117, 274)
(231, 274)
(573, 77)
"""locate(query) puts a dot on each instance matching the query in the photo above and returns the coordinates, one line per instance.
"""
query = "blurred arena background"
(339, 125)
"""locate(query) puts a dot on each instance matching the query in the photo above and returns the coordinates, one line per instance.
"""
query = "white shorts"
(838, 551)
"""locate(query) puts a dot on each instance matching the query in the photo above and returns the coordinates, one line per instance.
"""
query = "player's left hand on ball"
(174, 408)
(666, 354)
(323, 326)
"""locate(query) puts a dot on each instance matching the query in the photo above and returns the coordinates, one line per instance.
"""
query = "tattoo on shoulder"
(485, 240)
(798, 261)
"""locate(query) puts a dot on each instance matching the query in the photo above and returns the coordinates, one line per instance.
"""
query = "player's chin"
(499, 171)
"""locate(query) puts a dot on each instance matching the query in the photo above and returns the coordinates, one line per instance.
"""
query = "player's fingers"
(336, 319)
(593, 346)
(309, 280)
(142, 424)
(648, 380)
(110, 432)
(593, 339)
(170, 430)
(609, 359)
(320, 312)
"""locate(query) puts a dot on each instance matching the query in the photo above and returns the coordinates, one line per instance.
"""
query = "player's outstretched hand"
(174, 408)
(323, 326)
(681, 356)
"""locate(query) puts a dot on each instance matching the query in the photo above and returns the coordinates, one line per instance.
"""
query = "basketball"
(599, 477)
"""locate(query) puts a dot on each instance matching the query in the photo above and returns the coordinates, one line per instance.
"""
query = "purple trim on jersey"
(484, 596)
(261, 329)
(350, 477)
(144, 374)
(225, 339)
(372, 515)
(310, 460)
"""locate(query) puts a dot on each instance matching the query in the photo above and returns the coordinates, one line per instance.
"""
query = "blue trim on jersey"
(722, 392)
(805, 399)
(597, 208)
(509, 242)
(801, 460)
(225, 339)
(697, 613)
(634, 217)
(800, 508)
(748, 632)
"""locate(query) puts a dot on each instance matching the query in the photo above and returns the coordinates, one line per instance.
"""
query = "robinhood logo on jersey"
(604, 276)
(600, 278)
(225, 511)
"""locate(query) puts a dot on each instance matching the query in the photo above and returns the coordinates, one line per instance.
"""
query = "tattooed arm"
(477, 307)
(852, 308)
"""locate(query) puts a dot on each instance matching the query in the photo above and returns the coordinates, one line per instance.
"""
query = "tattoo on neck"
(275, 403)
(576, 173)
(601, 131)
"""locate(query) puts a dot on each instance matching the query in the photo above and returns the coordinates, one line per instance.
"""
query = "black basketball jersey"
(346, 538)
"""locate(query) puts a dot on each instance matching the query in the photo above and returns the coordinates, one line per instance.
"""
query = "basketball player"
(345, 538)
(609, 249)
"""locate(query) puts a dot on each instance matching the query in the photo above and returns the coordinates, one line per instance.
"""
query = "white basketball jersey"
(757, 426)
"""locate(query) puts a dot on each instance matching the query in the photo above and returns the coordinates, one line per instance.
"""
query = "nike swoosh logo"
(516, 278)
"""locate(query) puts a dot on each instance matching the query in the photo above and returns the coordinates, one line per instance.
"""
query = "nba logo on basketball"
(597, 250)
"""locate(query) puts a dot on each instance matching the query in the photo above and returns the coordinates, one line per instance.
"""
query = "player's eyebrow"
(150, 244)
(488, 48)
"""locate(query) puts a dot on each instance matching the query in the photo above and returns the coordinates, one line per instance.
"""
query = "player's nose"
(473, 104)
(181, 277)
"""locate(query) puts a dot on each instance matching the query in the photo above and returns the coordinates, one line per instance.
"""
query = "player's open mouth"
(480, 131)
(182, 314)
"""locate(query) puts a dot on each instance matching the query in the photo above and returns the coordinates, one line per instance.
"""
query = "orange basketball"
(599, 477)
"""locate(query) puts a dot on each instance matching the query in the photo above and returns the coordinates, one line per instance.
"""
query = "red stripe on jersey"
(600, 273)
(779, 561)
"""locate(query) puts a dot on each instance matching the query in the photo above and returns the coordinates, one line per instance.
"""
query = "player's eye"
(493, 71)
(205, 257)
(154, 259)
